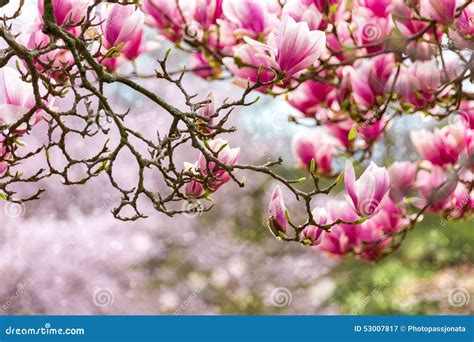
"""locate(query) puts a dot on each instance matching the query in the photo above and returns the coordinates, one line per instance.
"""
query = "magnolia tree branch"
(350, 69)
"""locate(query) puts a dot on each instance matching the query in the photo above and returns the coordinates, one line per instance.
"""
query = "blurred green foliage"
(417, 279)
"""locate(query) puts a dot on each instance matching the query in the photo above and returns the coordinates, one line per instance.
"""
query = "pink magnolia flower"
(206, 12)
(225, 155)
(68, 13)
(466, 114)
(309, 96)
(165, 15)
(372, 31)
(201, 67)
(390, 219)
(460, 203)
(418, 82)
(435, 186)
(340, 130)
(302, 12)
(4, 154)
(369, 193)
(277, 221)
(313, 235)
(251, 16)
(443, 146)
(372, 128)
(343, 237)
(123, 27)
(420, 51)
(207, 111)
(402, 179)
(251, 62)
(324, 5)
(193, 188)
(296, 47)
(439, 10)
(370, 80)
(318, 147)
(57, 59)
(17, 98)
(465, 22)
(379, 8)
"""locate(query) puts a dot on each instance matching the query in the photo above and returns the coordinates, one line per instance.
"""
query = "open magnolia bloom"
(293, 48)
(369, 103)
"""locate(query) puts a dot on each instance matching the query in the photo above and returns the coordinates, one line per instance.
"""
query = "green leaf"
(287, 214)
(361, 220)
(352, 133)
(340, 178)
(312, 166)
(3, 196)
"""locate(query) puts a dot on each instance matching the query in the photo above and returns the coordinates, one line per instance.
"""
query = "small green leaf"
(312, 166)
(3, 196)
(287, 214)
(361, 220)
(340, 178)
(352, 133)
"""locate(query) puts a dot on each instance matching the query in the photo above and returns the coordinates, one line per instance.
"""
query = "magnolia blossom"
(372, 31)
(206, 12)
(251, 62)
(295, 47)
(206, 112)
(251, 17)
(318, 147)
(123, 28)
(368, 194)
(193, 188)
(343, 237)
(466, 114)
(418, 82)
(372, 129)
(402, 179)
(302, 12)
(225, 155)
(443, 146)
(277, 221)
(371, 79)
(439, 10)
(378, 8)
(17, 98)
(4, 154)
(435, 186)
(68, 13)
(166, 16)
(309, 96)
(57, 59)
(313, 235)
